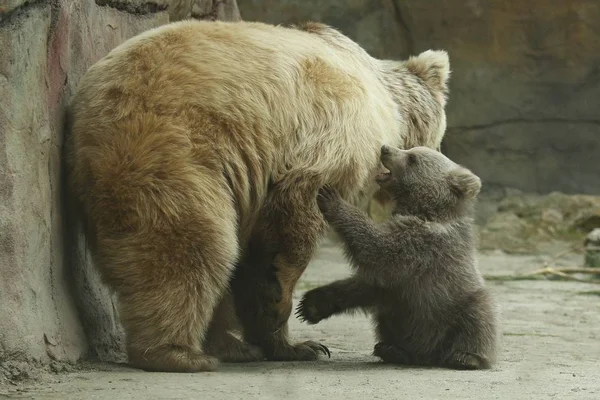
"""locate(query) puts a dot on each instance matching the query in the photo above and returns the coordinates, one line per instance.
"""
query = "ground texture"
(550, 349)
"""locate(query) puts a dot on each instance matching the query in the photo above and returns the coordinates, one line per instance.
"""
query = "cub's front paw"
(327, 198)
(316, 305)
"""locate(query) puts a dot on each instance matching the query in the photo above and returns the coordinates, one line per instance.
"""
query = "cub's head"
(425, 183)
(419, 86)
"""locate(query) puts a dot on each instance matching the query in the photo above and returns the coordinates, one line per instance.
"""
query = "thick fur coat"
(196, 151)
(416, 272)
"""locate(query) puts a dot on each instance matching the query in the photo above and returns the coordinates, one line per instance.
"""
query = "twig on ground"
(570, 270)
(562, 273)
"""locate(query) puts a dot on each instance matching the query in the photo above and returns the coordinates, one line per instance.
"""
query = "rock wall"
(45, 48)
(525, 90)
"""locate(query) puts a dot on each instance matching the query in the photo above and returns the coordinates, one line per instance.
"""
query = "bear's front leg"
(281, 248)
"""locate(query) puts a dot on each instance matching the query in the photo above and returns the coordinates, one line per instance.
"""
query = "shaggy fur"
(417, 272)
(200, 146)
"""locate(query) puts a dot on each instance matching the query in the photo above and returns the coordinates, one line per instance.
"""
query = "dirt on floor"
(550, 349)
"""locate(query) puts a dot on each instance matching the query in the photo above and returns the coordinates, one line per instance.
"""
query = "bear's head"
(425, 183)
(419, 86)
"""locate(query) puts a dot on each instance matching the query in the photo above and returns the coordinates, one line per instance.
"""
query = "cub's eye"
(412, 159)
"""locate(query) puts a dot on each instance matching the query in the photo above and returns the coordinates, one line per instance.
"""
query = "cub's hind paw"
(467, 361)
(391, 354)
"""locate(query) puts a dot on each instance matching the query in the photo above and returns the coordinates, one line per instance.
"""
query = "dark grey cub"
(417, 272)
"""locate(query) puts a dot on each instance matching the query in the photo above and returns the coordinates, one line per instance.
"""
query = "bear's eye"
(412, 159)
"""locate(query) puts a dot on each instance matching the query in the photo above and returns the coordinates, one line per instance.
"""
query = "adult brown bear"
(192, 139)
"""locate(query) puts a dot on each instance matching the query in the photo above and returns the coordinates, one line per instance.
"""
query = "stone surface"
(526, 223)
(6, 6)
(525, 89)
(140, 7)
(226, 10)
(37, 316)
(54, 309)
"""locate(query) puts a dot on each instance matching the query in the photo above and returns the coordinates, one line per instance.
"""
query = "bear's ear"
(433, 67)
(464, 183)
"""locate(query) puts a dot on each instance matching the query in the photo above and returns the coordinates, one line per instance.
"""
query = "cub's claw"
(307, 312)
(327, 195)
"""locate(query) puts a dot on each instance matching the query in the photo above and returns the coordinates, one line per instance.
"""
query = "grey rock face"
(525, 89)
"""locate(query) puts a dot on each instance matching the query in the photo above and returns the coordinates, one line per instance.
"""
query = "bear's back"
(261, 66)
(292, 90)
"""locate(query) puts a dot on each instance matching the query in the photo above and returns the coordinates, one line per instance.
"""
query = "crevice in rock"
(54, 15)
(10, 17)
(524, 121)
(149, 7)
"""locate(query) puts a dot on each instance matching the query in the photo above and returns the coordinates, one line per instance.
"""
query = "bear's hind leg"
(165, 320)
(281, 248)
(163, 225)
(169, 277)
(220, 341)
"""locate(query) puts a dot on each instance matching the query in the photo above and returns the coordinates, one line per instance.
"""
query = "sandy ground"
(550, 349)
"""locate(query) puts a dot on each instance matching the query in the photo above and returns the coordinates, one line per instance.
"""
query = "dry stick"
(559, 272)
(540, 274)
(570, 270)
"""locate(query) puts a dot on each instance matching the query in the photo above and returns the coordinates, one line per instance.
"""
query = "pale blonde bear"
(197, 147)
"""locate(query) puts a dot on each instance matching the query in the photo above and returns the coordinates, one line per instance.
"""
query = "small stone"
(593, 238)
(592, 249)
(588, 220)
(552, 216)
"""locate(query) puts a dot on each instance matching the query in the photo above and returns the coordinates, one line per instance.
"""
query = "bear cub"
(417, 272)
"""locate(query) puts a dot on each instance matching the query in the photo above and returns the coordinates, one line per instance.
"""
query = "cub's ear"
(433, 67)
(464, 183)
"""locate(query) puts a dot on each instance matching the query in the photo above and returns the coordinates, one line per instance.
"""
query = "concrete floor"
(550, 349)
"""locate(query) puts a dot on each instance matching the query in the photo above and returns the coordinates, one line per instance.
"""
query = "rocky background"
(523, 114)
(525, 89)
